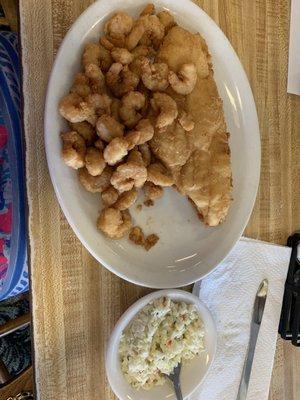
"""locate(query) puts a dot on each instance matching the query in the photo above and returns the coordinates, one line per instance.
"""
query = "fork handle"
(177, 389)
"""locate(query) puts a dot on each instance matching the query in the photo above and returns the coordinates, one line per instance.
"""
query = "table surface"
(75, 303)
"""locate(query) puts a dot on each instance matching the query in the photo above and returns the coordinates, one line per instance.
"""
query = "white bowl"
(192, 374)
(187, 250)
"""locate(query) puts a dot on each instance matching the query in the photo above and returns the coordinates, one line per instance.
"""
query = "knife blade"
(258, 310)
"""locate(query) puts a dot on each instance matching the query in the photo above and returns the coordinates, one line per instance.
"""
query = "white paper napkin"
(294, 53)
(229, 293)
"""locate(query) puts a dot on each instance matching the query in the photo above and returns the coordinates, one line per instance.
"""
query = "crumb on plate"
(151, 241)
(136, 235)
(149, 203)
(139, 207)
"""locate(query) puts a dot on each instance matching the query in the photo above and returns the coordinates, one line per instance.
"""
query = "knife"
(258, 310)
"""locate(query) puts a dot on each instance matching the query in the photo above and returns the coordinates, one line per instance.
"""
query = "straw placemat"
(75, 302)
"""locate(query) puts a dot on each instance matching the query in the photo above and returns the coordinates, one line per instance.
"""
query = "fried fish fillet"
(199, 159)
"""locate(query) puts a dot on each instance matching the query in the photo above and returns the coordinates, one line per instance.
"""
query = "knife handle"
(289, 326)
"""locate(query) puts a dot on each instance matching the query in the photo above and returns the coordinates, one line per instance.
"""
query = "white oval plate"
(192, 374)
(187, 250)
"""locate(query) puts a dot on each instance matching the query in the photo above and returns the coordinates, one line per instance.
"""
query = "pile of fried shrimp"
(114, 107)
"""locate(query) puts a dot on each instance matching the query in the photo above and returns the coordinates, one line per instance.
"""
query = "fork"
(175, 379)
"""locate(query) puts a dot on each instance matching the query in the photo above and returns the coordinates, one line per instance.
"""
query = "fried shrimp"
(142, 50)
(136, 157)
(121, 55)
(82, 90)
(132, 139)
(81, 85)
(149, 9)
(129, 175)
(91, 54)
(131, 103)
(85, 130)
(109, 196)
(142, 133)
(166, 107)
(94, 161)
(129, 81)
(154, 31)
(120, 24)
(135, 35)
(81, 78)
(106, 43)
(145, 151)
(116, 149)
(166, 19)
(126, 200)
(112, 76)
(96, 77)
(114, 223)
(74, 108)
(138, 64)
(95, 184)
(186, 121)
(148, 25)
(100, 103)
(155, 76)
(153, 26)
(159, 175)
(152, 191)
(185, 81)
(108, 128)
(105, 59)
(98, 55)
(117, 28)
(121, 80)
(74, 149)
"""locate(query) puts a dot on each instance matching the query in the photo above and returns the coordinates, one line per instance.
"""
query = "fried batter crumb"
(139, 207)
(151, 241)
(149, 203)
(136, 235)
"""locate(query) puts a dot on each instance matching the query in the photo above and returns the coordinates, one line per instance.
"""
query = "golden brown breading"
(205, 172)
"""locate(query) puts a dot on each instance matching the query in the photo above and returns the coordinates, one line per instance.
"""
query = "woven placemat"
(75, 302)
